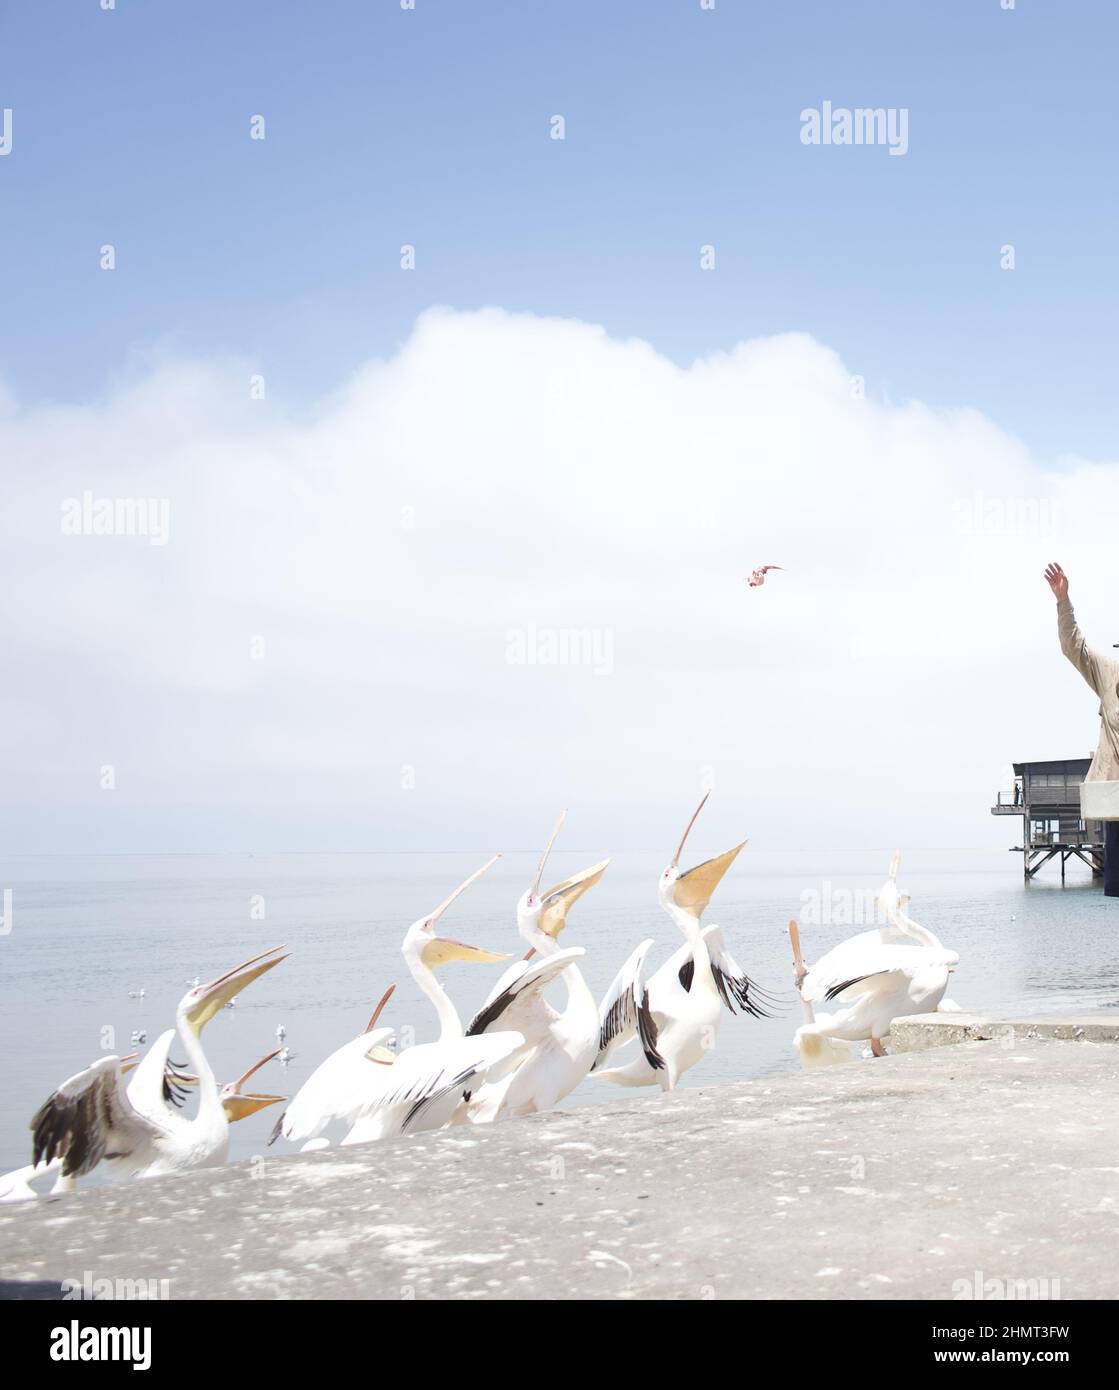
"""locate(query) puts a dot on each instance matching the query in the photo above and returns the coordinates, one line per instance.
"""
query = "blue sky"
(324, 653)
(431, 127)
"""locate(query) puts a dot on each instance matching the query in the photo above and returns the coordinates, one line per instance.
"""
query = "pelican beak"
(688, 831)
(384, 999)
(558, 901)
(211, 998)
(890, 900)
(129, 1063)
(442, 950)
(238, 1106)
(547, 850)
(694, 890)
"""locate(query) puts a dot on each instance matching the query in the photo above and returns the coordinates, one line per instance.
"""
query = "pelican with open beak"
(424, 1085)
(239, 1104)
(560, 1045)
(137, 1130)
(676, 1011)
(424, 951)
(542, 916)
(685, 895)
(197, 1008)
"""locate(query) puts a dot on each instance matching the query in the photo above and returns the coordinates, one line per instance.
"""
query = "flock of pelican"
(518, 1055)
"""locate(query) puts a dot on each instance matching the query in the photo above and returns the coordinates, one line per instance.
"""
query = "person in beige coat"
(1102, 674)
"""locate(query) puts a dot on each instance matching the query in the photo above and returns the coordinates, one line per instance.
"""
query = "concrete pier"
(917, 1176)
(922, 1031)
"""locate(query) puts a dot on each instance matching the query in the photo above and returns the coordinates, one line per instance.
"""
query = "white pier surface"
(914, 1176)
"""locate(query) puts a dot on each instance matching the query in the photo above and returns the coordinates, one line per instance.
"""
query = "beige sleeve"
(1086, 661)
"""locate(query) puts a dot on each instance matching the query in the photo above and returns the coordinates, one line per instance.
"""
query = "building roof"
(1055, 764)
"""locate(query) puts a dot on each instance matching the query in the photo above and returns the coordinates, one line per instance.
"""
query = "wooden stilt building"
(1047, 797)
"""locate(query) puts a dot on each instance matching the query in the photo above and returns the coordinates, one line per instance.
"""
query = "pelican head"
(816, 1049)
(239, 1106)
(558, 901)
(421, 941)
(547, 912)
(690, 892)
(199, 1006)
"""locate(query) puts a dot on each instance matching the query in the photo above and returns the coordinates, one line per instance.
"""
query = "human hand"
(1057, 580)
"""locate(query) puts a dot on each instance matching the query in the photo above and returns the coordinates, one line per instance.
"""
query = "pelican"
(562, 1045)
(92, 1118)
(676, 1012)
(331, 1084)
(379, 1094)
(237, 1104)
(876, 976)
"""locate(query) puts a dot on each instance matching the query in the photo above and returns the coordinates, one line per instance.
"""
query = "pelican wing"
(426, 1084)
(734, 985)
(732, 982)
(881, 981)
(521, 1005)
(88, 1118)
(625, 1011)
(506, 980)
(896, 968)
(857, 956)
(332, 1089)
(157, 1083)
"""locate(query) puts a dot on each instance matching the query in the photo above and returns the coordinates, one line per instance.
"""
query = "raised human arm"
(1073, 644)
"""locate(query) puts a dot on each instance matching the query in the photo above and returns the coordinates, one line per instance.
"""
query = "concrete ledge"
(917, 1032)
(917, 1176)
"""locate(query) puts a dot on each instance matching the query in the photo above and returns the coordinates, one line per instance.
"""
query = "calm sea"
(88, 933)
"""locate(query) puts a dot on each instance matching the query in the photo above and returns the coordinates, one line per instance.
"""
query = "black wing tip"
(837, 990)
(647, 1032)
(748, 995)
(174, 1087)
(459, 1082)
(277, 1129)
(489, 1015)
(58, 1132)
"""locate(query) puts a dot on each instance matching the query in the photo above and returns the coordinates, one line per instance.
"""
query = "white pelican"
(876, 976)
(676, 1012)
(563, 1045)
(137, 1132)
(154, 1104)
(329, 1088)
(378, 1094)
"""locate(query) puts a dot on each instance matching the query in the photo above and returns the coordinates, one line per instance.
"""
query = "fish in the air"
(757, 579)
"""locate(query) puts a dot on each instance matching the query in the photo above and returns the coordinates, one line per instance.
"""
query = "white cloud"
(558, 478)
